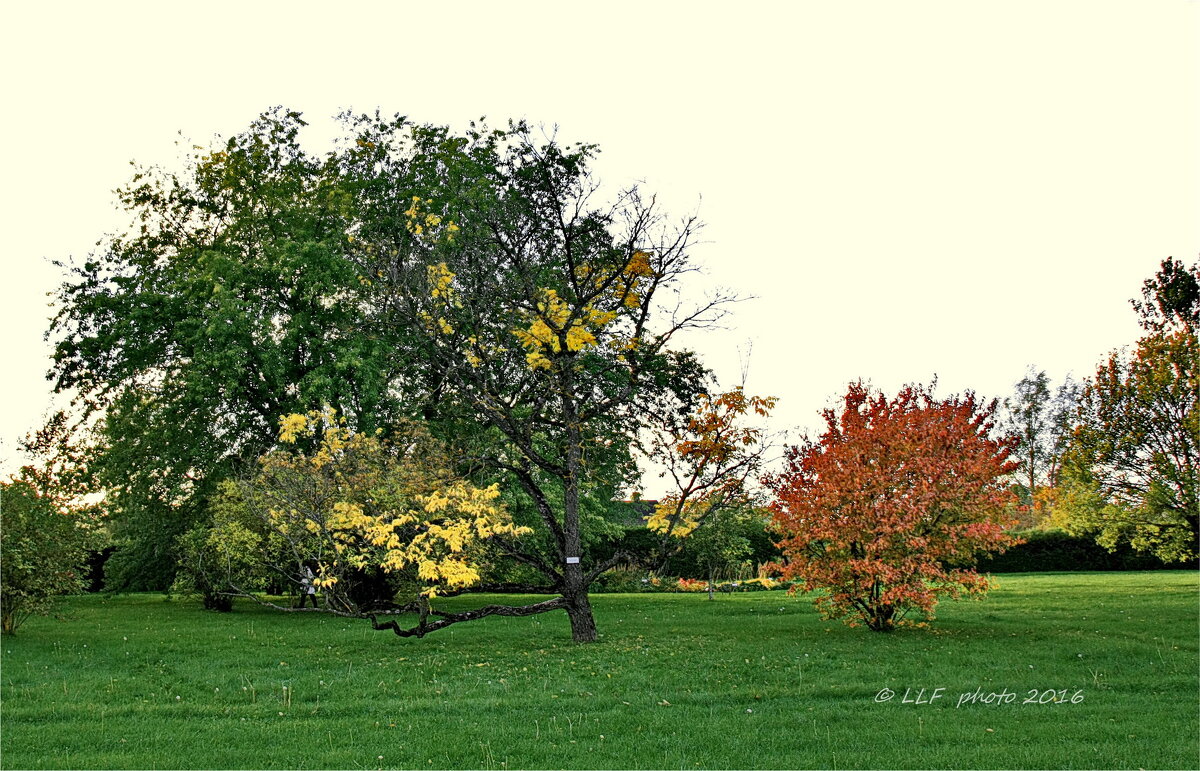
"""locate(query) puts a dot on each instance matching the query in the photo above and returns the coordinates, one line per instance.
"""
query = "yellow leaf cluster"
(679, 521)
(476, 351)
(554, 328)
(296, 425)
(441, 288)
(439, 537)
(290, 426)
(419, 221)
(441, 280)
(638, 269)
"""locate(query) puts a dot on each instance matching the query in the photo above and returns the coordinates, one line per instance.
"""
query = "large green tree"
(226, 303)
(1134, 459)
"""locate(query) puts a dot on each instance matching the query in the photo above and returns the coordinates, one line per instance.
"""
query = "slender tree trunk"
(710, 582)
(1032, 480)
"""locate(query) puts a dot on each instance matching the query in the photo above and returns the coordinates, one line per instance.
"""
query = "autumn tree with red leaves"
(887, 510)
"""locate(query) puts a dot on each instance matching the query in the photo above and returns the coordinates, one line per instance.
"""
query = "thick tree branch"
(445, 619)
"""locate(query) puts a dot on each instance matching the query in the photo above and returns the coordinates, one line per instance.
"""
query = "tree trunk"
(710, 582)
(583, 623)
(579, 608)
(575, 588)
(882, 618)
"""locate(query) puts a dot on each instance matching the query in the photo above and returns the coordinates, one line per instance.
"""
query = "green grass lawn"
(746, 681)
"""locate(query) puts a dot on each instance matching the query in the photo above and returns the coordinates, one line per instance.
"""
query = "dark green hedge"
(1052, 550)
(1043, 551)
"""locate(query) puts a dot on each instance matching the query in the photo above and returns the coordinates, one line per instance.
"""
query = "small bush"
(629, 580)
(43, 553)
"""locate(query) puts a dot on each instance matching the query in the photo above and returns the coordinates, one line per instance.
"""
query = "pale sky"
(907, 188)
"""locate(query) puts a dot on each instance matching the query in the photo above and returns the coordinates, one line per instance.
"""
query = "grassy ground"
(746, 681)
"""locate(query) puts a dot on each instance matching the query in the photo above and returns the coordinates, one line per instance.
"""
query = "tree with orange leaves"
(888, 508)
(711, 455)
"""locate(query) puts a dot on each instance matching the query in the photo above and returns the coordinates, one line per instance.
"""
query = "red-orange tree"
(887, 509)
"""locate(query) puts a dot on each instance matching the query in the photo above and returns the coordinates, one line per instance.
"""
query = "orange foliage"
(889, 508)
(710, 458)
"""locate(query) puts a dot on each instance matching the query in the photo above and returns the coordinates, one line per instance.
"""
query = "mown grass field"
(746, 681)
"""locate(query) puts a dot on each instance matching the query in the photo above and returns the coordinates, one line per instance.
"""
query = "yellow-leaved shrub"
(343, 502)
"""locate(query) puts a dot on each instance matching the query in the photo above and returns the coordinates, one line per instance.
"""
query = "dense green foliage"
(748, 681)
(221, 308)
(225, 551)
(643, 547)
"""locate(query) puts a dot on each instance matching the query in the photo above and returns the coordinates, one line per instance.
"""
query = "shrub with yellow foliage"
(341, 504)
